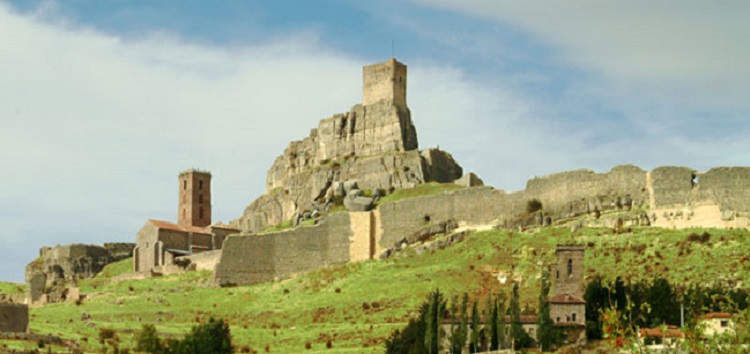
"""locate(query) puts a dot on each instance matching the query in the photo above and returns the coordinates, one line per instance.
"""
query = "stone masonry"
(58, 267)
(14, 318)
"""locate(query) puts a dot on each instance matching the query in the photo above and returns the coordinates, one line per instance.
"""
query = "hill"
(356, 306)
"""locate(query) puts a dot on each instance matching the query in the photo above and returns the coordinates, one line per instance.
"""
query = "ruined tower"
(568, 276)
(195, 199)
(385, 81)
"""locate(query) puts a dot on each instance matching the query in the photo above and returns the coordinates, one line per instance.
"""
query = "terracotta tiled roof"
(659, 332)
(712, 315)
(172, 226)
(566, 299)
(569, 324)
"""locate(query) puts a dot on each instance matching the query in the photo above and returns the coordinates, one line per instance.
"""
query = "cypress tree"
(464, 328)
(429, 332)
(501, 333)
(516, 330)
(545, 334)
(474, 328)
(495, 335)
(455, 327)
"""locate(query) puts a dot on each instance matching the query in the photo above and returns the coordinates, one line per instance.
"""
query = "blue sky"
(106, 101)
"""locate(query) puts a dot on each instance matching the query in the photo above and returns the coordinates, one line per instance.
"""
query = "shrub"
(533, 205)
(147, 340)
(105, 334)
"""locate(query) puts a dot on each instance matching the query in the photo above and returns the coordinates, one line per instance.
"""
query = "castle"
(328, 187)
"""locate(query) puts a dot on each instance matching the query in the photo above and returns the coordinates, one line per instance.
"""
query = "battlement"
(385, 82)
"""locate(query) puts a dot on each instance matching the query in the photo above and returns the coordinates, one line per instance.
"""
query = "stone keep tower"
(195, 199)
(569, 272)
(385, 81)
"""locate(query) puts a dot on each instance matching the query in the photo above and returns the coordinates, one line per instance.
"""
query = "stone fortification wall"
(472, 206)
(14, 318)
(204, 260)
(249, 259)
(727, 186)
(575, 192)
(671, 185)
(60, 264)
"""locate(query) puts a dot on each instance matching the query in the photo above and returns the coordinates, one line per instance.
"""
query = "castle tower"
(385, 81)
(195, 199)
(568, 276)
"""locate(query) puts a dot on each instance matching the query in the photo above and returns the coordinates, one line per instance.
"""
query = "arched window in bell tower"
(184, 184)
(570, 267)
(200, 213)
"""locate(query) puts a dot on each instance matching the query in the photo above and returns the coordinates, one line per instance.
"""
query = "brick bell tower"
(195, 199)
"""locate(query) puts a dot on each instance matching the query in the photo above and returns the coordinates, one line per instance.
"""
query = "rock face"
(58, 266)
(374, 144)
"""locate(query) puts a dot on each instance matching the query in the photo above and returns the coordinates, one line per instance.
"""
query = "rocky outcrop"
(58, 267)
(374, 144)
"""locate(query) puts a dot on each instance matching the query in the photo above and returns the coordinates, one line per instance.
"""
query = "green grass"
(285, 315)
(424, 189)
(12, 288)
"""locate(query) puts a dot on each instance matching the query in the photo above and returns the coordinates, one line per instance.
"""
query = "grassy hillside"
(12, 288)
(329, 304)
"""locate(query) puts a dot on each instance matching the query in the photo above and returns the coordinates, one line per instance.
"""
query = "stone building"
(567, 306)
(14, 318)
(160, 242)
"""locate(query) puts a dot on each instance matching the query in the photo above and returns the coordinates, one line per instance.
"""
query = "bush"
(147, 340)
(105, 334)
(533, 205)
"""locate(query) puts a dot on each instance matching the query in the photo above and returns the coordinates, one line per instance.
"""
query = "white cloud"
(692, 52)
(99, 125)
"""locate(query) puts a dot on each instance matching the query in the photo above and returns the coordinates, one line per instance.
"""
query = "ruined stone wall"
(204, 260)
(575, 192)
(671, 185)
(250, 259)
(471, 206)
(14, 318)
(727, 186)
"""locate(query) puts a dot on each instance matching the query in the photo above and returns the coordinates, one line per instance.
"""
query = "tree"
(464, 328)
(147, 340)
(664, 306)
(474, 328)
(501, 332)
(489, 323)
(546, 331)
(519, 337)
(495, 332)
(421, 335)
(597, 299)
(430, 327)
(455, 325)
(211, 337)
